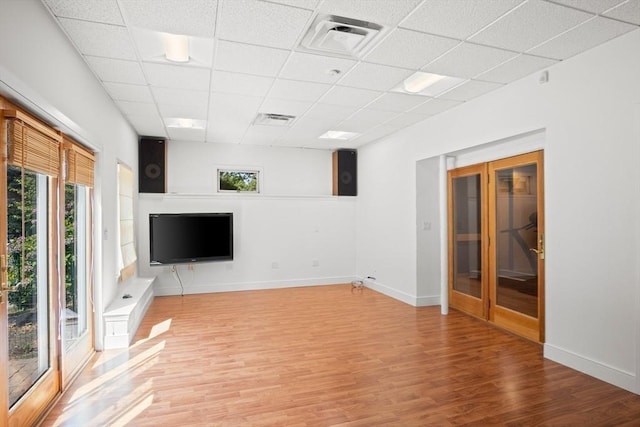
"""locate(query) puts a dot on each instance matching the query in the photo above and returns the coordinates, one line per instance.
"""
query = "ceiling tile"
(409, 49)
(137, 108)
(127, 92)
(95, 39)
(406, 119)
(398, 102)
(373, 135)
(529, 25)
(248, 59)
(234, 110)
(326, 114)
(243, 84)
(468, 60)
(182, 111)
(147, 125)
(349, 96)
(168, 96)
(263, 135)
(151, 48)
(470, 90)
(261, 23)
(374, 77)
(593, 6)
(189, 17)
(297, 91)
(105, 11)
(186, 134)
(457, 19)
(176, 77)
(583, 37)
(117, 70)
(283, 106)
(521, 66)
(382, 12)
(225, 133)
(628, 12)
(365, 119)
(434, 106)
(305, 4)
(315, 68)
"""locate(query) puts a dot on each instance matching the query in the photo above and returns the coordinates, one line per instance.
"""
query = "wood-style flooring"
(327, 356)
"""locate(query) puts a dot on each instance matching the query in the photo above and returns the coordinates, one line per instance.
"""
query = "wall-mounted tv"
(190, 237)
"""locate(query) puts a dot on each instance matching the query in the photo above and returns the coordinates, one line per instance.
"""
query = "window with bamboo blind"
(79, 163)
(31, 145)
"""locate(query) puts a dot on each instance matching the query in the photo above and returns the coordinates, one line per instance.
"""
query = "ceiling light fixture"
(176, 47)
(427, 84)
(182, 123)
(419, 81)
(339, 134)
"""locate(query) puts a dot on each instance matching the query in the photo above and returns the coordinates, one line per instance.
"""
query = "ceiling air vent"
(271, 119)
(339, 36)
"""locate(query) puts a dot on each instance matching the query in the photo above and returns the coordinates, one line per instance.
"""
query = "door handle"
(540, 250)
(3, 276)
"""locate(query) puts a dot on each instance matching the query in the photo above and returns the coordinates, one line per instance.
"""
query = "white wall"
(280, 234)
(592, 199)
(40, 70)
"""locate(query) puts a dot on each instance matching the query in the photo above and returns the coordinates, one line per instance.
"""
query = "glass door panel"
(76, 314)
(467, 257)
(27, 255)
(517, 225)
(517, 255)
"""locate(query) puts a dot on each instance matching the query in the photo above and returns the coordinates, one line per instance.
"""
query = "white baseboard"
(401, 296)
(615, 376)
(250, 286)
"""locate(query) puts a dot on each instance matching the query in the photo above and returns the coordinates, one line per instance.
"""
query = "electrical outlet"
(275, 265)
(315, 263)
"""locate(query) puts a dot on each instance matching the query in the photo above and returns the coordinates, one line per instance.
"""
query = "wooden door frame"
(505, 318)
(469, 304)
(47, 387)
(525, 326)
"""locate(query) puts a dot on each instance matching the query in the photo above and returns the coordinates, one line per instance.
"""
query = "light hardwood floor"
(324, 356)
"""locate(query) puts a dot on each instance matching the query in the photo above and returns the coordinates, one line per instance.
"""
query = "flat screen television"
(190, 237)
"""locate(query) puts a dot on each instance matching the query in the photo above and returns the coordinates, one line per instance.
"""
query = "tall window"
(78, 174)
(127, 255)
(33, 166)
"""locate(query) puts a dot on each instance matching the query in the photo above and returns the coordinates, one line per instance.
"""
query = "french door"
(45, 253)
(496, 243)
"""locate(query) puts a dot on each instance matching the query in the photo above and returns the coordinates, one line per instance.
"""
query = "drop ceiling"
(246, 59)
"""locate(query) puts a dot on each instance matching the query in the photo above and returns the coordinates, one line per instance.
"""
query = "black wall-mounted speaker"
(152, 159)
(345, 173)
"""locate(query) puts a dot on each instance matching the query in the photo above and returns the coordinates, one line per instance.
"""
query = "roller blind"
(32, 145)
(127, 255)
(79, 163)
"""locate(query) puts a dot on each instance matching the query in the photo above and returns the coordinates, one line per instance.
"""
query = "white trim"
(610, 374)
(444, 240)
(207, 288)
(507, 147)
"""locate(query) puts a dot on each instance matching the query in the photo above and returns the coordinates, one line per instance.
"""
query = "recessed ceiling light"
(339, 134)
(183, 123)
(427, 84)
(176, 47)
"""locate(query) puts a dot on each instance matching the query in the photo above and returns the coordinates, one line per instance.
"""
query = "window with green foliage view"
(238, 181)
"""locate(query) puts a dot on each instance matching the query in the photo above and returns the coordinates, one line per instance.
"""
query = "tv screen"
(190, 237)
